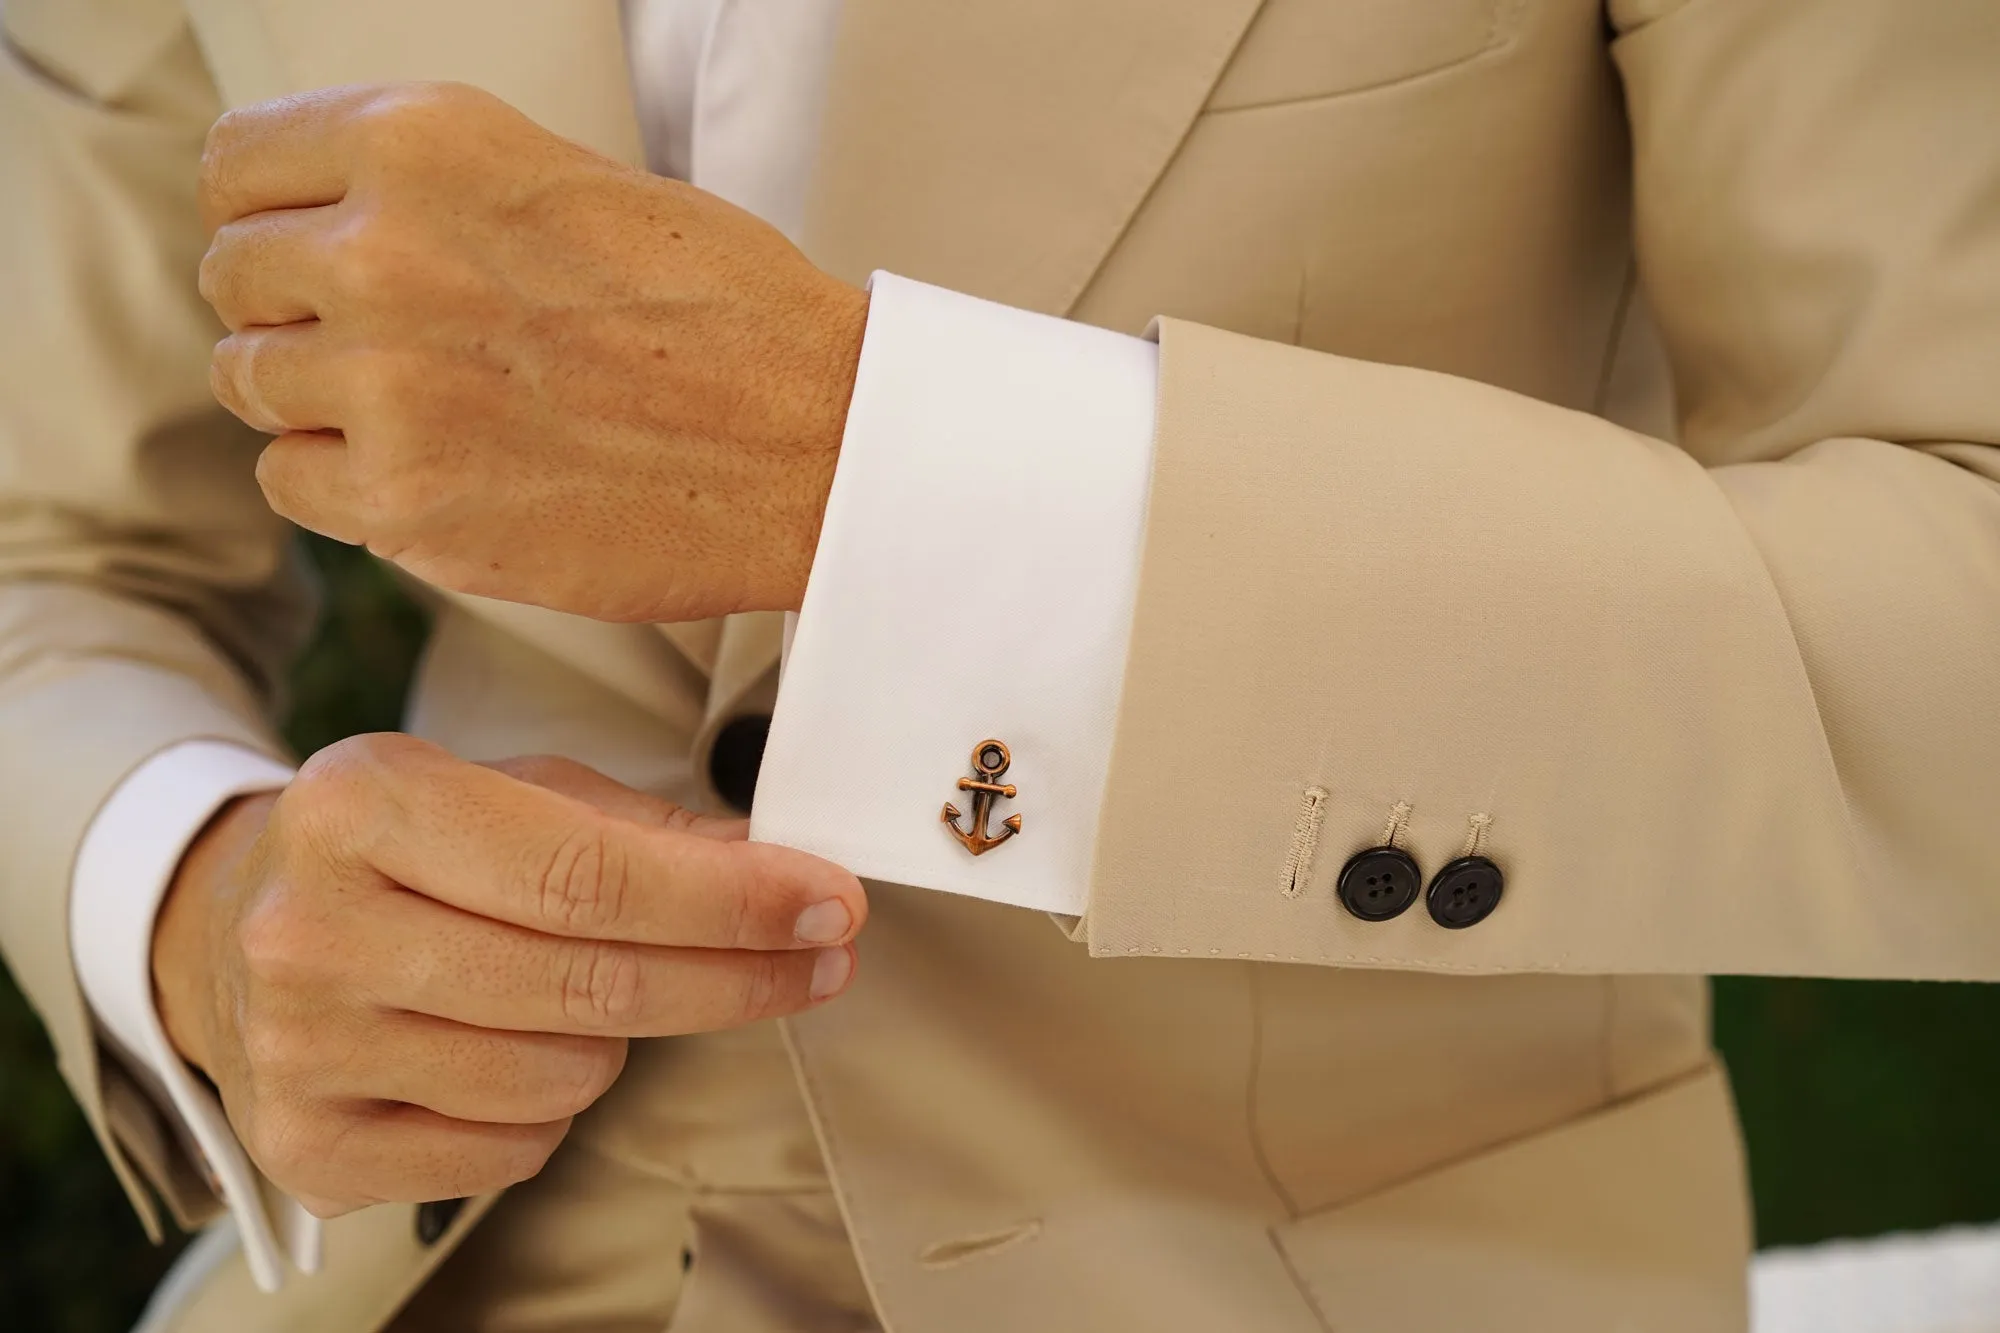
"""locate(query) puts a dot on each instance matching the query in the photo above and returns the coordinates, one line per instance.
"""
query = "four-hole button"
(1465, 892)
(1379, 883)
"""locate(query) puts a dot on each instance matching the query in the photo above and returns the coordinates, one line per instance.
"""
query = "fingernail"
(823, 923)
(831, 971)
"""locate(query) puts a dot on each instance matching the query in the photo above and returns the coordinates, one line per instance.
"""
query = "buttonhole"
(1305, 843)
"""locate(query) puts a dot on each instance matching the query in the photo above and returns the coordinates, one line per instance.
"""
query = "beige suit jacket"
(1725, 704)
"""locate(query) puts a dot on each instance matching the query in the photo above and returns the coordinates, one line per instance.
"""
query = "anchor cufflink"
(990, 759)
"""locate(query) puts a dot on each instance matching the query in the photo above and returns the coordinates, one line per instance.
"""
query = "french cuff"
(973, 583)
(123, 867)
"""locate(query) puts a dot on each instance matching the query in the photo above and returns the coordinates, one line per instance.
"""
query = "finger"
(490, 844)
(366, 1153)
(279, 379)
(426, 958)
(307, 479)
(473, 1073)
(584, 783)
(268, 268)
(289, 152)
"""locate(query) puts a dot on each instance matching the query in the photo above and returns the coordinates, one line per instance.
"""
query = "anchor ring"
(990, 758)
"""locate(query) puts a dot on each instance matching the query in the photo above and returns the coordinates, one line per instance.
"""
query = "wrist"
(183, 977)
(841, 323)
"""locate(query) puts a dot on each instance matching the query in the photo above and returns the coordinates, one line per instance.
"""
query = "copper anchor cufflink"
(989, 761)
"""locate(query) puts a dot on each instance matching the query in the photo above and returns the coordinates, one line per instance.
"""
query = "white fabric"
(729, 96)
(122, 871)
(974, 579)
(1931, 1282)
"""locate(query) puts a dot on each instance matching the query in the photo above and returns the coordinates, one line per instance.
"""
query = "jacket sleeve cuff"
(123, 868)
(974, 580)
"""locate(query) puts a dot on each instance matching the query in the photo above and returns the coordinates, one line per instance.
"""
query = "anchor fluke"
(990, 759)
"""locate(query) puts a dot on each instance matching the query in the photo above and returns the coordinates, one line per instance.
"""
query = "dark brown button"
(1379, 883)
(1465, 892)
(435, 1218)
(736, 756)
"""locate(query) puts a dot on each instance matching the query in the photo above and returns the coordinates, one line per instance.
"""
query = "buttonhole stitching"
(1305, 842)
(1399, 822)
(1475, 834)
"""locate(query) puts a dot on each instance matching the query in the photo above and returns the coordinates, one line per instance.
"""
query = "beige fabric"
(693, 1194)
(1729, 708)
(1725, 705)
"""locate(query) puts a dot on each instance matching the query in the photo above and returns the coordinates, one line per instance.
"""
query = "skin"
(406, 973)
(517, 368)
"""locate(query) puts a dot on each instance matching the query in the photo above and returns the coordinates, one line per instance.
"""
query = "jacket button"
(737, 754)
(435, 1218)
(1379, 883)
(1465, 892)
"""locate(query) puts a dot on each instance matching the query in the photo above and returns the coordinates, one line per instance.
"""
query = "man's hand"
(406, 972)
(518, 368)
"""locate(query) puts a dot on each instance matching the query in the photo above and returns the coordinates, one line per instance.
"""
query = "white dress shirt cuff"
(123, 868)
(974, 579)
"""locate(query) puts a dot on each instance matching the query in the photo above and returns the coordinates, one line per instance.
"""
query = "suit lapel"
(1000, 147)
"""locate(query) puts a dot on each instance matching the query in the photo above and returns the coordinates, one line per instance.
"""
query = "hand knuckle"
(396, 495)
(523, 1158)
(602, 987)
(592, 1073)
(330, 773)
(362, 263)
(394, 543)
(379, 122)
(435, 98)
(323, 1208)
(209, 278)
(357, 764)
(283, 1141)
(276, 1056)
(540, 769)
(277, 941)
(400, 121)
(584, 881)
(494, 1164)
(739, 919)
(243, 360)
(222, 375)
(326, 785)
(279, 491)
(767, 988)
(339, 800)
(212, 176)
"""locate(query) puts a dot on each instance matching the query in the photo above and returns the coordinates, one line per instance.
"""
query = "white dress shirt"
(975, 578)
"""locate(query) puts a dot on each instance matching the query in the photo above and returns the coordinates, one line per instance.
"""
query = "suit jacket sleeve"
(146, 595)
(1732, 706)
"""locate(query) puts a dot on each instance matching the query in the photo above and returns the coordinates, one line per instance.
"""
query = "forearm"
(1704, 720)
(1680, 710)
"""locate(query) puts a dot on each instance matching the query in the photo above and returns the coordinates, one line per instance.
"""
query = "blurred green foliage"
(1868, 1106)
